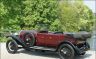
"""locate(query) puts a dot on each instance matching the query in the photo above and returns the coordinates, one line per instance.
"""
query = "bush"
(3, 39)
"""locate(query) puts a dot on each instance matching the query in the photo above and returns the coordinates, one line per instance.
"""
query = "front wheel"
(66, 51)
(11, 46)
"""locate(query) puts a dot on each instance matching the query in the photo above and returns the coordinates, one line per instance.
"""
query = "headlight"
(17, 33)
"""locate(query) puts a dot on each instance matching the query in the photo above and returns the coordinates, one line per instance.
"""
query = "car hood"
(79, 35)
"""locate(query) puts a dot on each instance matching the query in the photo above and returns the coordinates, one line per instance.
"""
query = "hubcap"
(28, 40)
(11, 46)
(65, 53)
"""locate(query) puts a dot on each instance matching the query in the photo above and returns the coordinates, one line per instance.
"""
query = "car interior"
(44, 31)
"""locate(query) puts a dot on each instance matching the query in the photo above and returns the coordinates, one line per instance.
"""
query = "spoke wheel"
(11, 46)
(66, 52)
(28, 40)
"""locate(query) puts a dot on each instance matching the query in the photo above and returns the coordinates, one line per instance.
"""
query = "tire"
(29, 39)
(66, 51)
(83, 53)
(27, 49)
(11, 46)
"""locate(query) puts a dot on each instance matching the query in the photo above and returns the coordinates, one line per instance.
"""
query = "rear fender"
(18, 40)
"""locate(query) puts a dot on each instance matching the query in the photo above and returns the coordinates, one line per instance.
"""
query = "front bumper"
(85, 46)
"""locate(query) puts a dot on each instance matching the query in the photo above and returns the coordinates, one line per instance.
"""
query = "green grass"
(3, 39)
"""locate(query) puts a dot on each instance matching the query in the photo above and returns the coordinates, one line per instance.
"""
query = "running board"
(43, 48)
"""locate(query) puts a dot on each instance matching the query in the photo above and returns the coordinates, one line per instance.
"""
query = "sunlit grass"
(3, 39)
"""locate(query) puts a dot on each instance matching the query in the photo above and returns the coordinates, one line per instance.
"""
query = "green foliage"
(75, 16)
(10, 20)
(29, 14)
(45, 14)
(56, 26)
(3, 39)
(42, 13)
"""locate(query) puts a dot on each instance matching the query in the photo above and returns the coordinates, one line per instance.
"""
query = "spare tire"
(29, 39)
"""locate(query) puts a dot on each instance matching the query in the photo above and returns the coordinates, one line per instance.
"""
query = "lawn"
(3, 39)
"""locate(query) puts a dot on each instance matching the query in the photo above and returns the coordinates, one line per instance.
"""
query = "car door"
(41, 39)
(52, 39)
(47, 39)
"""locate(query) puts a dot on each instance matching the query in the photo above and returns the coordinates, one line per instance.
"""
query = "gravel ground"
(22, 54)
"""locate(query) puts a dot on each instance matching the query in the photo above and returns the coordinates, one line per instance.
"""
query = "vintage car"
(66, 44)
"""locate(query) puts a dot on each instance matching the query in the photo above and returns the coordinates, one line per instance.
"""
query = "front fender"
(18, 40)
(76, 49)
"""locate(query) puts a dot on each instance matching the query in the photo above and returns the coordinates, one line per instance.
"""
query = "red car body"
(66, 44)
(48, 38)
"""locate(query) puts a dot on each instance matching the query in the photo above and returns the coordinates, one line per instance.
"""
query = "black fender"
(87, 46)
(77, 50)
(18, 40)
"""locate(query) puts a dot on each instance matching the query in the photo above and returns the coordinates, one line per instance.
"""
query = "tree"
(45, 14)
(28, 14)
(10, 20)
(3, 12)
(75, 16)
(39, 14)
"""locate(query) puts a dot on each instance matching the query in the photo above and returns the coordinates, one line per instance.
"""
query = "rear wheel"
(66, 51)
(11, 46)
